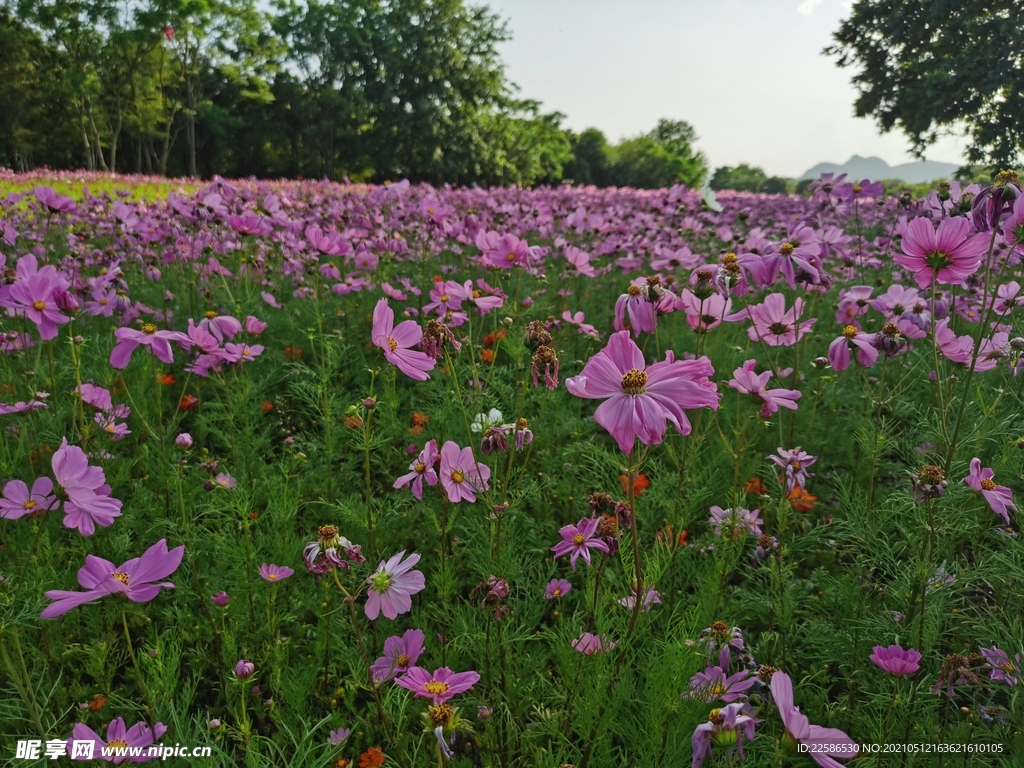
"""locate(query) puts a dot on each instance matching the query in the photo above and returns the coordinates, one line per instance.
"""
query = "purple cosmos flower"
(330, 550)
(462, 476)
(33, 297)
(773, 323)
(727, 727)
(18, 500)
(89, 502)
(439, 685)
(184, 440)
(578, 540)
(719, 635)
(735, 523)
(795, 463)
(400, 653)
(221, 599)
(650, 598)
(1003, 669)
(420, 470)
(641, 400)
(748, 382)
(138, 579)
(337, 738)
(244, 669)
(589, 644)
(999, 497)
(158, 341)
(864, 343)
(557, 588)
(224, 480)
(895, 660)
(118, 737)
(275, 572)
(949, 254)
(397, 342)
(715, 684)
(828, 744)
(391, 588)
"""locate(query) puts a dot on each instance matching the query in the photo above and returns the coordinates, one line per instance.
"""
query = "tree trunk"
(191, 128)
(86, 147)
(96, 138)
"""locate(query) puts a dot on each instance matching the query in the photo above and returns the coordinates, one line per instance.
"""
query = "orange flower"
(353, 422)
(254, 515)
(754, 486)
(501, 334)
(266, 406)
(489, 340)
(639, 485)
(293, 353)
(7, 388)
(487, 355)
(166, 380)
(97, 702)
(371, 758)
(342, 762)
(801, 500)
(664, 537)
(438, 278)
(188, 403)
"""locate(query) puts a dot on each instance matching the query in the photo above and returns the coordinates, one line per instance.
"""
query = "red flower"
(266, 406)
(188, 403)
(371, 758)
(166, 380)
(639, 485)
(755, 486)
(353, 422)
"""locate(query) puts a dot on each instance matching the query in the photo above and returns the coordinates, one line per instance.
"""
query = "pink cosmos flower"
(703, 315)
(773, 323)
(579, 262)
(158, 341)
(439, 685)
(420, 470)
(642, 315)
(590, 644)
(641, 400)
(748, 382)
(557, 588)
(896, 660)
(853, 302)
(839, 349)
(275, 572)
(504, 252)
(728, 728)
(18, 500)
(33, 297)
(827, 744)
(138, 579)
(400, 653)
(999, 497)
(391, 588)
(119, 736)
(949, 254)
(397, 342)
(794, 463)
(462, 476)
(715, 684)
(578, 540)
(89, 502)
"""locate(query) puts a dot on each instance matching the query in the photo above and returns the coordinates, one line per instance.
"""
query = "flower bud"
(220, 599)
(244, 669)
(184, 440)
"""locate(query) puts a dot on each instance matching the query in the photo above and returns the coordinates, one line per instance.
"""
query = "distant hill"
(876, 169)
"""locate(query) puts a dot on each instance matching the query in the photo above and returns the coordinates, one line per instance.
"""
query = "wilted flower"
(795, 463)
(1003, 669)
(726, 727)
(330, 550)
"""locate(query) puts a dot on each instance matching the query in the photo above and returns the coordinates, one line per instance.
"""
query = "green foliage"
(933, 66)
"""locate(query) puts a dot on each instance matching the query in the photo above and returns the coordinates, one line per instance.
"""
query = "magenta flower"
(18, 500)
(337, 738)
(138, 579)
(735, 523)
(391, 588)
(999, 497)
(439, 685)
(578, 540)
(400, 653)
(89, 502)
(1003, 669)
(118, 737)
(795, 463)
(330, 550)
(827, 744)
(641, 311)
(896, 661)
(864, 343)
(774, 324)
(244, 669)
(33, 297)
(748, 382)
(462, 476)
(651, 597)
(224, 480)
(158, 341)
(714, 684)
(949, 254)
(503, 252)
(727, 727)
(275, 572)
(589, 644)
(397, 342)
(641, 400)
(221, 599)
(420, 470)
(557, 588)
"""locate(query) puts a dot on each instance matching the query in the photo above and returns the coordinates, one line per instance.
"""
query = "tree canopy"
(932, 66)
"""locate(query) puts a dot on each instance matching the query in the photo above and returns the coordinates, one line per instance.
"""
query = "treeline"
(365, 89)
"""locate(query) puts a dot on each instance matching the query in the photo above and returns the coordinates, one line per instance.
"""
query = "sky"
(748, 75)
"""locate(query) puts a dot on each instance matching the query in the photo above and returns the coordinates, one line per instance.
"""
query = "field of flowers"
(319, 475)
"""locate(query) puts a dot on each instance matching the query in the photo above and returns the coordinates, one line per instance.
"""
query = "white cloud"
(807, 6)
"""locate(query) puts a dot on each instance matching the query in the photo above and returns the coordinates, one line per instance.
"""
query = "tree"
(660, 158)
(930, 66)
(742, 178)
(591, 158)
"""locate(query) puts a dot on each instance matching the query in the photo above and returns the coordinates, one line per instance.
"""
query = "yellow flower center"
(510, 258)
(420, 467)
(103, 302)
(210, 315)
(457, 476)
(435, 687)
(149, 329)
(786, 249)
(988, 484)
(39, 304)
(30, 504)
(849, 331)
(445, 298)
(857, 188)
(634, 382)
(117, 744)
(272, 577)
(109, 428)
(121, 576)
(403, 660)
(578, 539)
(392, 343)
(634, 290)
(556, 592)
